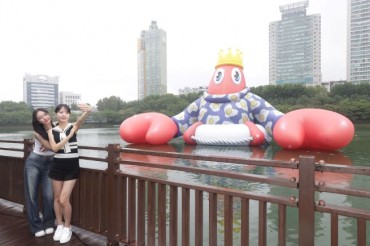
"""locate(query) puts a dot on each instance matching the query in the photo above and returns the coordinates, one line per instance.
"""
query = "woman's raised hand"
(84, 107)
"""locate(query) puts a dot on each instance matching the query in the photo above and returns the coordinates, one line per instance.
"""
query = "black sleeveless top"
(66, 160)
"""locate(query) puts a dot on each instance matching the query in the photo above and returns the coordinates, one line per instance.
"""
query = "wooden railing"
(135, 201)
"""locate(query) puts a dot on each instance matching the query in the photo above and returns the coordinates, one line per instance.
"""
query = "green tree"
(13, 113)
(112, 103)
(350, 89)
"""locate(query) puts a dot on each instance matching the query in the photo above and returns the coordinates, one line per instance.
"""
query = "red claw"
(257, 134)
(313, 129)
(191, 132)
(148, 128)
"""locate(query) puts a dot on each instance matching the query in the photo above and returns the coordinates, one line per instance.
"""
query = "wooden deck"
(14, 230)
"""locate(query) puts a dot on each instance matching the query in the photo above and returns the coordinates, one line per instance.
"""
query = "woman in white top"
(36, 170)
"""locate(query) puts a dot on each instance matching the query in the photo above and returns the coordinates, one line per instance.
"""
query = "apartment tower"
(295, 46)
(152, 62)
(358, 41)
(40, 91)
(69, 98)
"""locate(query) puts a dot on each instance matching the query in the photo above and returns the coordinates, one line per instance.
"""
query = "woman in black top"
(65, 169)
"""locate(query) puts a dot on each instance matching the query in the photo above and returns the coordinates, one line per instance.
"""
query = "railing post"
(306, 202)
(27, 148)
(111, 193)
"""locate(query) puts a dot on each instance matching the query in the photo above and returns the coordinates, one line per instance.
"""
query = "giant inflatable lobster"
(228, 113)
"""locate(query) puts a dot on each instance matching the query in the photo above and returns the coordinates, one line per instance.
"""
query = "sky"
(92, 44)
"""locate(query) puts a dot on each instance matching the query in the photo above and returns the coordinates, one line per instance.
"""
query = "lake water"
(356, 154)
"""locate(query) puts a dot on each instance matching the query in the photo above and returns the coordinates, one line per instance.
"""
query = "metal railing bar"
(344, 211)
(288, 201)
(343, 191)
(11, 149)
(257, 162)
(342, 169)
(93, 158)
(290, 183)
(12, 141)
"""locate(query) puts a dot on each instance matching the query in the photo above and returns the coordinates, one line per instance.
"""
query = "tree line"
(351, 100)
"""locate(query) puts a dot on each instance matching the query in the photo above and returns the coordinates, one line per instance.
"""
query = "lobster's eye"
(218, 76)
(236, 76)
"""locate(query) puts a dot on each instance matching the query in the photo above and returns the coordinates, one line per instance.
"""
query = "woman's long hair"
(37, 126)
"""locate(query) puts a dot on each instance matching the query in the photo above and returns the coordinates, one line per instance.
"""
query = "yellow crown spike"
(230, 58)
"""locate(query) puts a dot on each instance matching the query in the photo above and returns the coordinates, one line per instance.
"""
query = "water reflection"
(204, 179)
(247, 152)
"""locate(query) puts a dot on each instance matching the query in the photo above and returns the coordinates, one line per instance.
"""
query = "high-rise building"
(69, 98)
(188, 90)
(40, 91)
(295, 46)
(152, 62)
(358, 41)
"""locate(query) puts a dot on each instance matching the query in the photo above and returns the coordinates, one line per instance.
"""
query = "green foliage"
(290, 93)
(10, 106)
(348, 99)
(113, 110)
(111, 103)
(349, 90)
(13, 113)
(167, 104)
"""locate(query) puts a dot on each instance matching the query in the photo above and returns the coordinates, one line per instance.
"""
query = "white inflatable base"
(231, 134)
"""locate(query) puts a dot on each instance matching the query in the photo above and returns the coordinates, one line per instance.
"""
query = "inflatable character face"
(228, 77)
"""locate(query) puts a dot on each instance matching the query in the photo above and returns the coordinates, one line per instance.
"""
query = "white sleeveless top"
(37, 148)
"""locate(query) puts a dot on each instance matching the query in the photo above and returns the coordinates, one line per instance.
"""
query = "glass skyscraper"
(152, 62)
(295, 46)
(40, 91)
(358, 41)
